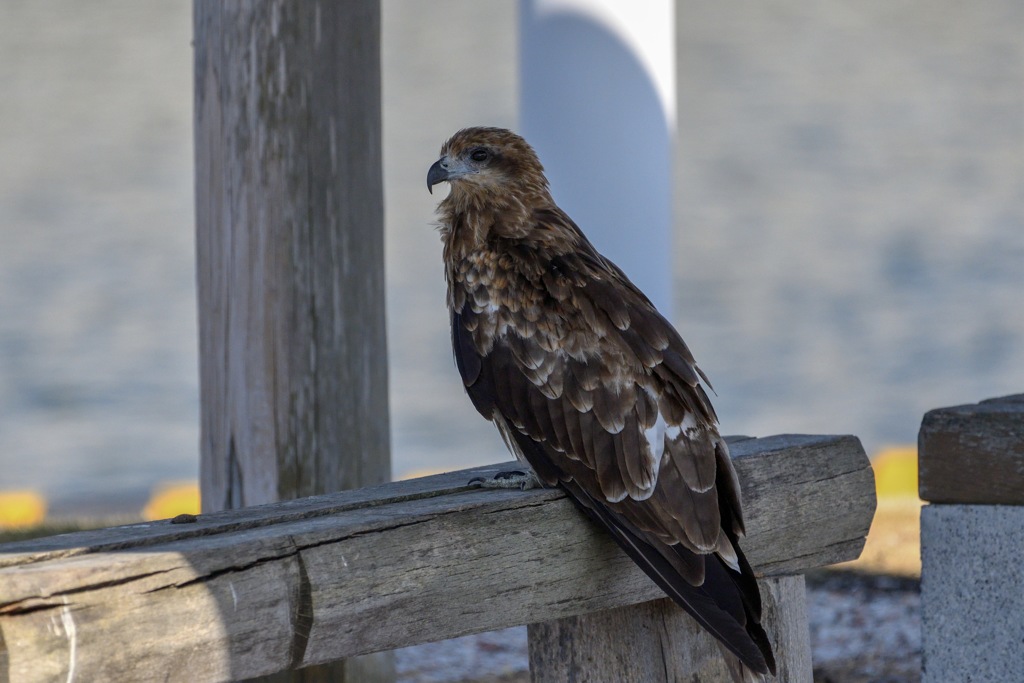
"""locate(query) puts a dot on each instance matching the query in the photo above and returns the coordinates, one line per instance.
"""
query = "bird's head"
(487, 161)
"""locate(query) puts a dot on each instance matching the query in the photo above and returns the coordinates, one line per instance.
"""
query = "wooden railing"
(247, 592)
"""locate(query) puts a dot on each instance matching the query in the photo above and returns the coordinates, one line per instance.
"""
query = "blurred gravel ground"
(865, 628)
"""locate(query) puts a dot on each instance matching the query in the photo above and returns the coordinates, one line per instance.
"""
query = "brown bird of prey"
(590, 386)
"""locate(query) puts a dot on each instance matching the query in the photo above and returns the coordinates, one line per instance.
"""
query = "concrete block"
(972, 593)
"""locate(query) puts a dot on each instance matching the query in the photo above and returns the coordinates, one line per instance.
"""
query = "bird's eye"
(479, 154)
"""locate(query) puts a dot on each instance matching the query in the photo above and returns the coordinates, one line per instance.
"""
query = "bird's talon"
(514, 479)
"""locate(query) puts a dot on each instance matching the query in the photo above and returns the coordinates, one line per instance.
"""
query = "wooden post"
(289, 223)
(658, 642)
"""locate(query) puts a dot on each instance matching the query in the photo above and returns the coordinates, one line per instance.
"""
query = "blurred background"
(848, 251)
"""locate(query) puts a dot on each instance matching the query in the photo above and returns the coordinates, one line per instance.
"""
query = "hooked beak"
(436, 174)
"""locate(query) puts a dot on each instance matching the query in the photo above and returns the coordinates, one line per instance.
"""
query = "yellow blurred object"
(896, 472)
(21, 509)
(171, 500)
(894, 542)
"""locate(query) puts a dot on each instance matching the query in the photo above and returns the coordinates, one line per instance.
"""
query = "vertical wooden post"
(289, 221)
(658, 642)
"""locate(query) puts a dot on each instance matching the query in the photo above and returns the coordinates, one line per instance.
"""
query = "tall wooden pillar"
(290, 242)
(657, 642)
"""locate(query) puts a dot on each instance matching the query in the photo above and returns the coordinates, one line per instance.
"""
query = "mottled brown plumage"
(589, 385)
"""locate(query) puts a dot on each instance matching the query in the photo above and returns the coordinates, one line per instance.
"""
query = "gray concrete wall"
(972, 593)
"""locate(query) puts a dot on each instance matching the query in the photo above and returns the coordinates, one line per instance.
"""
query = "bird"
(590, 387)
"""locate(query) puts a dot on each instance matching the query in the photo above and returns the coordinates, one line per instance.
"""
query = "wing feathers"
(580, 398)
(612, 402)
(676, 533)
(635, 459)
(575, 426)
(602, 452)
(559, 434)
(692, 452)
(728, 485)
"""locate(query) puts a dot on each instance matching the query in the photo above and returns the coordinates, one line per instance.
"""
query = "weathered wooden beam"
(973, 453)
(249, 592)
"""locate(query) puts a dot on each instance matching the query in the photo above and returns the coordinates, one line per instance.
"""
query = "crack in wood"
(767, 569)
(302, 617)
(234, 495)
(297, 550)
(559, 495)
(169, 535)
(39, 602)
(36, 605)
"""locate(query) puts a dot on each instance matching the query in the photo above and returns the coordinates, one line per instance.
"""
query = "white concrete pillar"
(597, 101)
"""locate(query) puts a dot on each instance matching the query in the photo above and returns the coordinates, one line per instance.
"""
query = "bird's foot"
(515, 479)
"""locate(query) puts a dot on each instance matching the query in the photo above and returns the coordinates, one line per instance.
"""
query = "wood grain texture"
(249, 592)
(290, 248)
(657, 642)
(973, 453)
